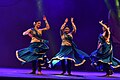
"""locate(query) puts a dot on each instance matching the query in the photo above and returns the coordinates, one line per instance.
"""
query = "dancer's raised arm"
(47, 24)
(73, 25)
(63, 26)
(104, 25)
(107, 29)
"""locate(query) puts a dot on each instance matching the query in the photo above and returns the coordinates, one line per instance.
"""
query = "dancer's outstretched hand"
(44, 18)
(101, 22)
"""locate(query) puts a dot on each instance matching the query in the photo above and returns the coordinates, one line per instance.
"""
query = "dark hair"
(106, 34)
(36, 20)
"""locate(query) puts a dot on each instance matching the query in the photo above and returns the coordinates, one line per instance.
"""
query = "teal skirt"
(71, 53)
(35, 51)
(105, 57)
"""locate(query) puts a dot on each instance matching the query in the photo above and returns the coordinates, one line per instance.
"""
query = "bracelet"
(46, 21)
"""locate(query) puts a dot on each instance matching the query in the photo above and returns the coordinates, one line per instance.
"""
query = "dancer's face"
(38, 24)
(67, 30)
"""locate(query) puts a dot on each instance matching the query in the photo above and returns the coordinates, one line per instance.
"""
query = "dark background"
(17, 16)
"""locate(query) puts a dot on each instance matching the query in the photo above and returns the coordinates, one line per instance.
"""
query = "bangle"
(46, 21)
(64, 22)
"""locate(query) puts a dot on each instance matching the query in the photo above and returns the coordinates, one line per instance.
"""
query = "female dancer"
(102, 58)
(37, 49)
(68, 51)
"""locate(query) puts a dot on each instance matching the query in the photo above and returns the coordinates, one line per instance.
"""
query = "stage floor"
(10, 73)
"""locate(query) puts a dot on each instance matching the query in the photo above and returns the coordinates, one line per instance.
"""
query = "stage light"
(39, 4)
(118, 7)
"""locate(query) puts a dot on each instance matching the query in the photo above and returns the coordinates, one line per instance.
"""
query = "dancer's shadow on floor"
(109, 76)
(69, 75)
(35, 74)
(72, 75)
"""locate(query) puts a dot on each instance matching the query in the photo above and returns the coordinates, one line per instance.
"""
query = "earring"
(33, 23)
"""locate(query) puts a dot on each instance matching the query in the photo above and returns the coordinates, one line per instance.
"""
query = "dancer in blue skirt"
(68, 51)
(37, 49)
(102, 58)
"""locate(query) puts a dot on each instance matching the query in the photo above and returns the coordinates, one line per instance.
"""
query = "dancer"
(102, 58)
(68, 51)
(37, 49)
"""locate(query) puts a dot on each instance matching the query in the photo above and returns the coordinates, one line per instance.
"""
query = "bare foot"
(108, 75)
(39, 73)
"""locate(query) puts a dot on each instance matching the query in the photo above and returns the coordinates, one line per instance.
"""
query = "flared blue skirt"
(107, 58)
(35, 51)
(71, 53)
